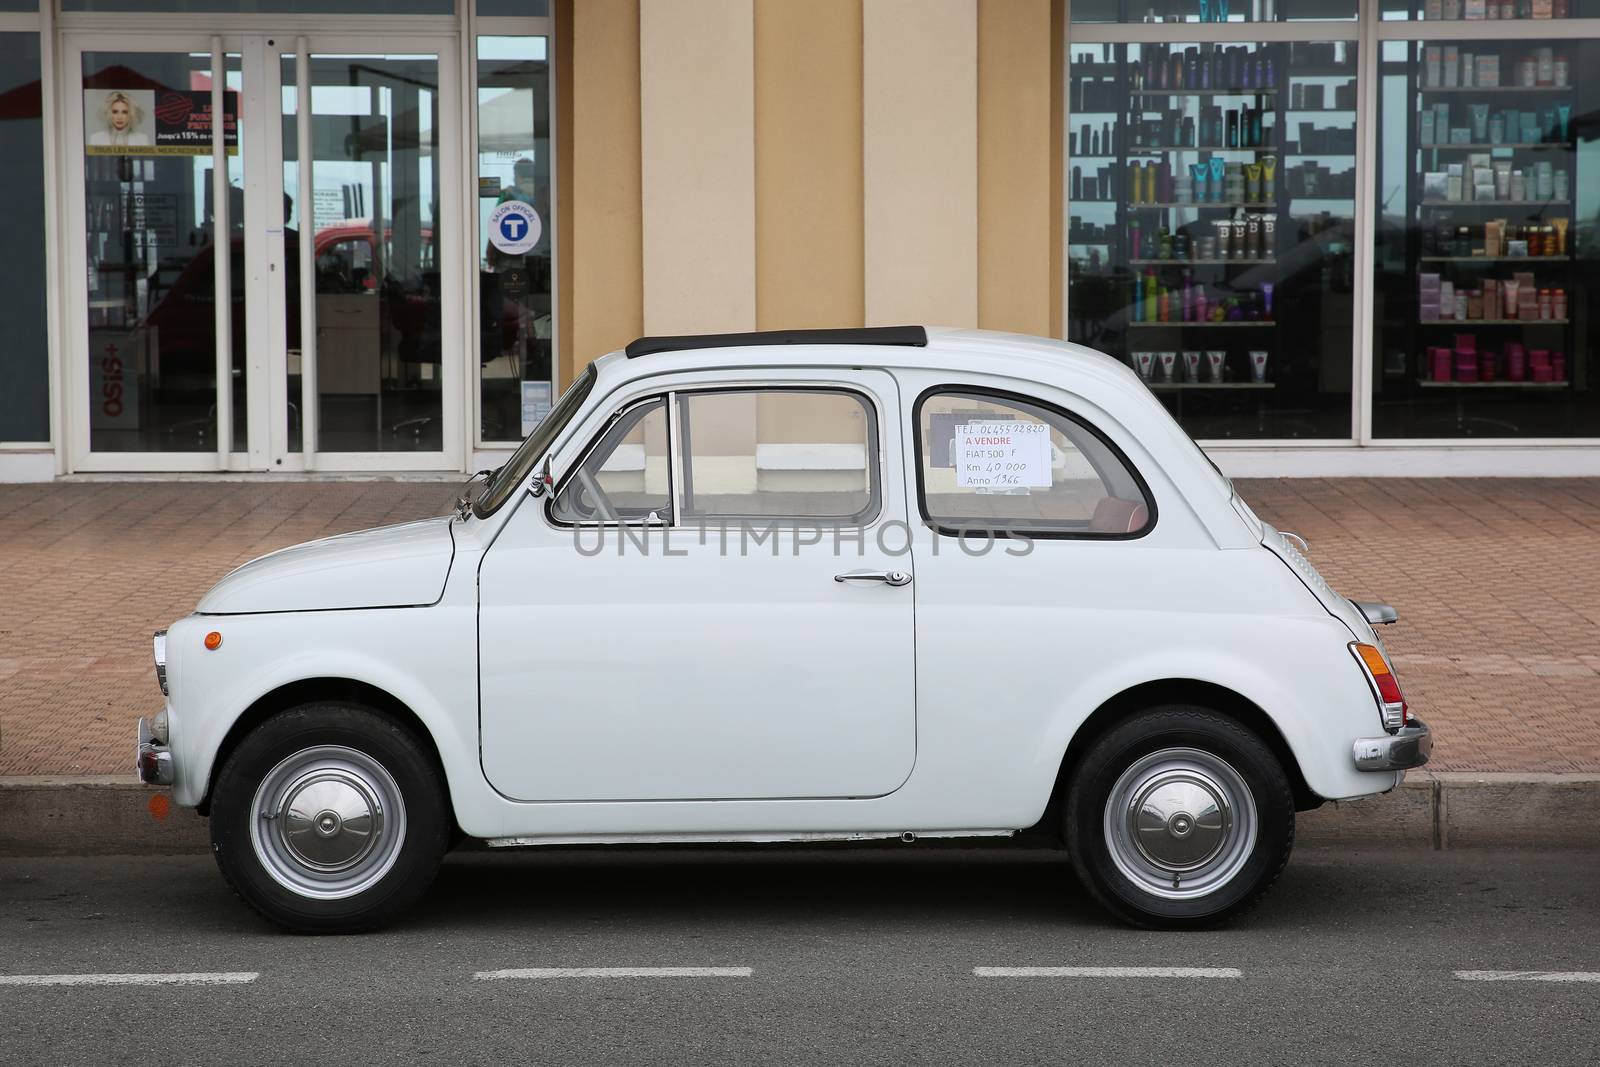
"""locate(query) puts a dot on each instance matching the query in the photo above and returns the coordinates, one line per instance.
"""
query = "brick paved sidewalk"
(1497, 582)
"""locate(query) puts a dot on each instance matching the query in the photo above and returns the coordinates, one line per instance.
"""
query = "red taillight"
(1395, 712)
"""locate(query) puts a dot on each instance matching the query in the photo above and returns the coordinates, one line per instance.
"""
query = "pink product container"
(1466, 366)
(1538, 357)
(1488, 366)
(1543, 374)
(1439, 361)
(1558, 366)
(1516, 363)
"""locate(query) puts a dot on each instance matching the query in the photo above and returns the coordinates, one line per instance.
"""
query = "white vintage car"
(800, 586)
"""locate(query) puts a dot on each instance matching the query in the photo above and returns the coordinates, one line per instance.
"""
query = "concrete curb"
(113, 815)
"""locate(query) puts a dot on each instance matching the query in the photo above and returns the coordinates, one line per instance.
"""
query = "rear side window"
(991, 461)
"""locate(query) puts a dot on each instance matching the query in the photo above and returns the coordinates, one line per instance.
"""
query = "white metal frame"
(474, 27)
(258, 40)
(1367, 32)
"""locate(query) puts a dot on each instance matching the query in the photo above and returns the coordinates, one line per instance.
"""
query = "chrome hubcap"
(328, 822)
(1180, 823)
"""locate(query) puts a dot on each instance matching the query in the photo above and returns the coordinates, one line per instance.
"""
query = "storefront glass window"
(375, 232)
(1487, 243)
(526, 9)
(24, 356)
(1211, 203)
(514, 236)
(1488, 10)
(152, 248)
(1184, 11)
(271, 7)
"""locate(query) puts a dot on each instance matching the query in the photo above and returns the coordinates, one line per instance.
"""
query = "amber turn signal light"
(1395, 712)
(213, 641)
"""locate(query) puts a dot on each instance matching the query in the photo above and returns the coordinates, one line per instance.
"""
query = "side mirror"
(543, 482)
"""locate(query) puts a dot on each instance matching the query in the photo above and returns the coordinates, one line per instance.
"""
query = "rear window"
(996, 462)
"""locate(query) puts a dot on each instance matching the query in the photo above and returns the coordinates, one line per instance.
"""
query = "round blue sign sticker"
(514, 228)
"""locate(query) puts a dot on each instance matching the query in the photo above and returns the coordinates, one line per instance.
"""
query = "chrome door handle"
(886, 577)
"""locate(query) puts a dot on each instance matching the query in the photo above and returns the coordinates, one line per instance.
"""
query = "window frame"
(595, 441)
(982, 392)
(870, 513)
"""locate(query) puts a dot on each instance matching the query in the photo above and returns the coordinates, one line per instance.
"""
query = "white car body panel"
(390, 567)
(679, 669)
(1011, 653)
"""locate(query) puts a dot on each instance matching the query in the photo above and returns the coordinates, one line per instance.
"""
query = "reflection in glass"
(1485, 240)
(1194, 11)
(1211, 203)
(373, 218)
(24, 358)
(515, 346)
(151, 252)
(1522, 11)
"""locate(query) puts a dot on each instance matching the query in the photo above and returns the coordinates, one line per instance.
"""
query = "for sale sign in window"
(1002, 455)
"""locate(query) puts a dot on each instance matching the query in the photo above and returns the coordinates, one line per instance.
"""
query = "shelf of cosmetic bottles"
(1494, 89)
(1462, 323)
(1191, 262)
(1202, 92)
(1429, 383)
(1495, 203)
(1208, 325)
(1170, 387)
(1258, 205)
(1484, 146)
(1494, 259)
(1151, 148)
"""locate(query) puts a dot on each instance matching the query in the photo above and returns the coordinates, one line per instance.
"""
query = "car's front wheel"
(329, 818)
(1179, 817)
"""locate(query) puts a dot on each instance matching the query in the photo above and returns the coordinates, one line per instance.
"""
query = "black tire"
(1134, 743)
(419, 831)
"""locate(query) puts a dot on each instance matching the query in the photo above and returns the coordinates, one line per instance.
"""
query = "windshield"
(504, 481)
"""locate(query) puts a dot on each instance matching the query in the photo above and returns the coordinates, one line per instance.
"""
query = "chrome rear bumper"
(1408, 747)
(153, 761)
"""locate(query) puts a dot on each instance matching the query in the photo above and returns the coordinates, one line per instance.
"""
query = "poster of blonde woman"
(119, 118)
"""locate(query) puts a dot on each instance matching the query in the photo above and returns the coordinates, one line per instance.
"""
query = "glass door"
(328, 353)
(370, 373)
(159, 370)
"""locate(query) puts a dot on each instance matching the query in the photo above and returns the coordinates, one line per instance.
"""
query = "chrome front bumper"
(1408, 747)
(154, 761)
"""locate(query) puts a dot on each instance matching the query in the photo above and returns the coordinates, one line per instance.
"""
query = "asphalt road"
(852, 957)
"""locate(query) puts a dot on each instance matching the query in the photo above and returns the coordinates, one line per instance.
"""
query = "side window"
(805, 454)
(989, 461)
(624, 477)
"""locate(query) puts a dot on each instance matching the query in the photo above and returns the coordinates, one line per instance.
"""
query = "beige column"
(697, 158)
(1014, 165)
(602, 196)
(919, 149)
(808, 164)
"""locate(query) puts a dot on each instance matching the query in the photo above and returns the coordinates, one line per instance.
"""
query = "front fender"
(413, 654)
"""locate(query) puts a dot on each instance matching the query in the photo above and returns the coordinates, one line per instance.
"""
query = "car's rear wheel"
(1179, 817)
(329, 818)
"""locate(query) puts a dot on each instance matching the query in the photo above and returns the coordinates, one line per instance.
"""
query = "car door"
(670, 623)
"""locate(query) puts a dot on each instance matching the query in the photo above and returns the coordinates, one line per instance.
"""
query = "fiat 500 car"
(829, 585)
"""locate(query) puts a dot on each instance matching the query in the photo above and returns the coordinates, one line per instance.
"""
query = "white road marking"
(616, 972)
(1528, 976)
(196, 978)
(1107, 972)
